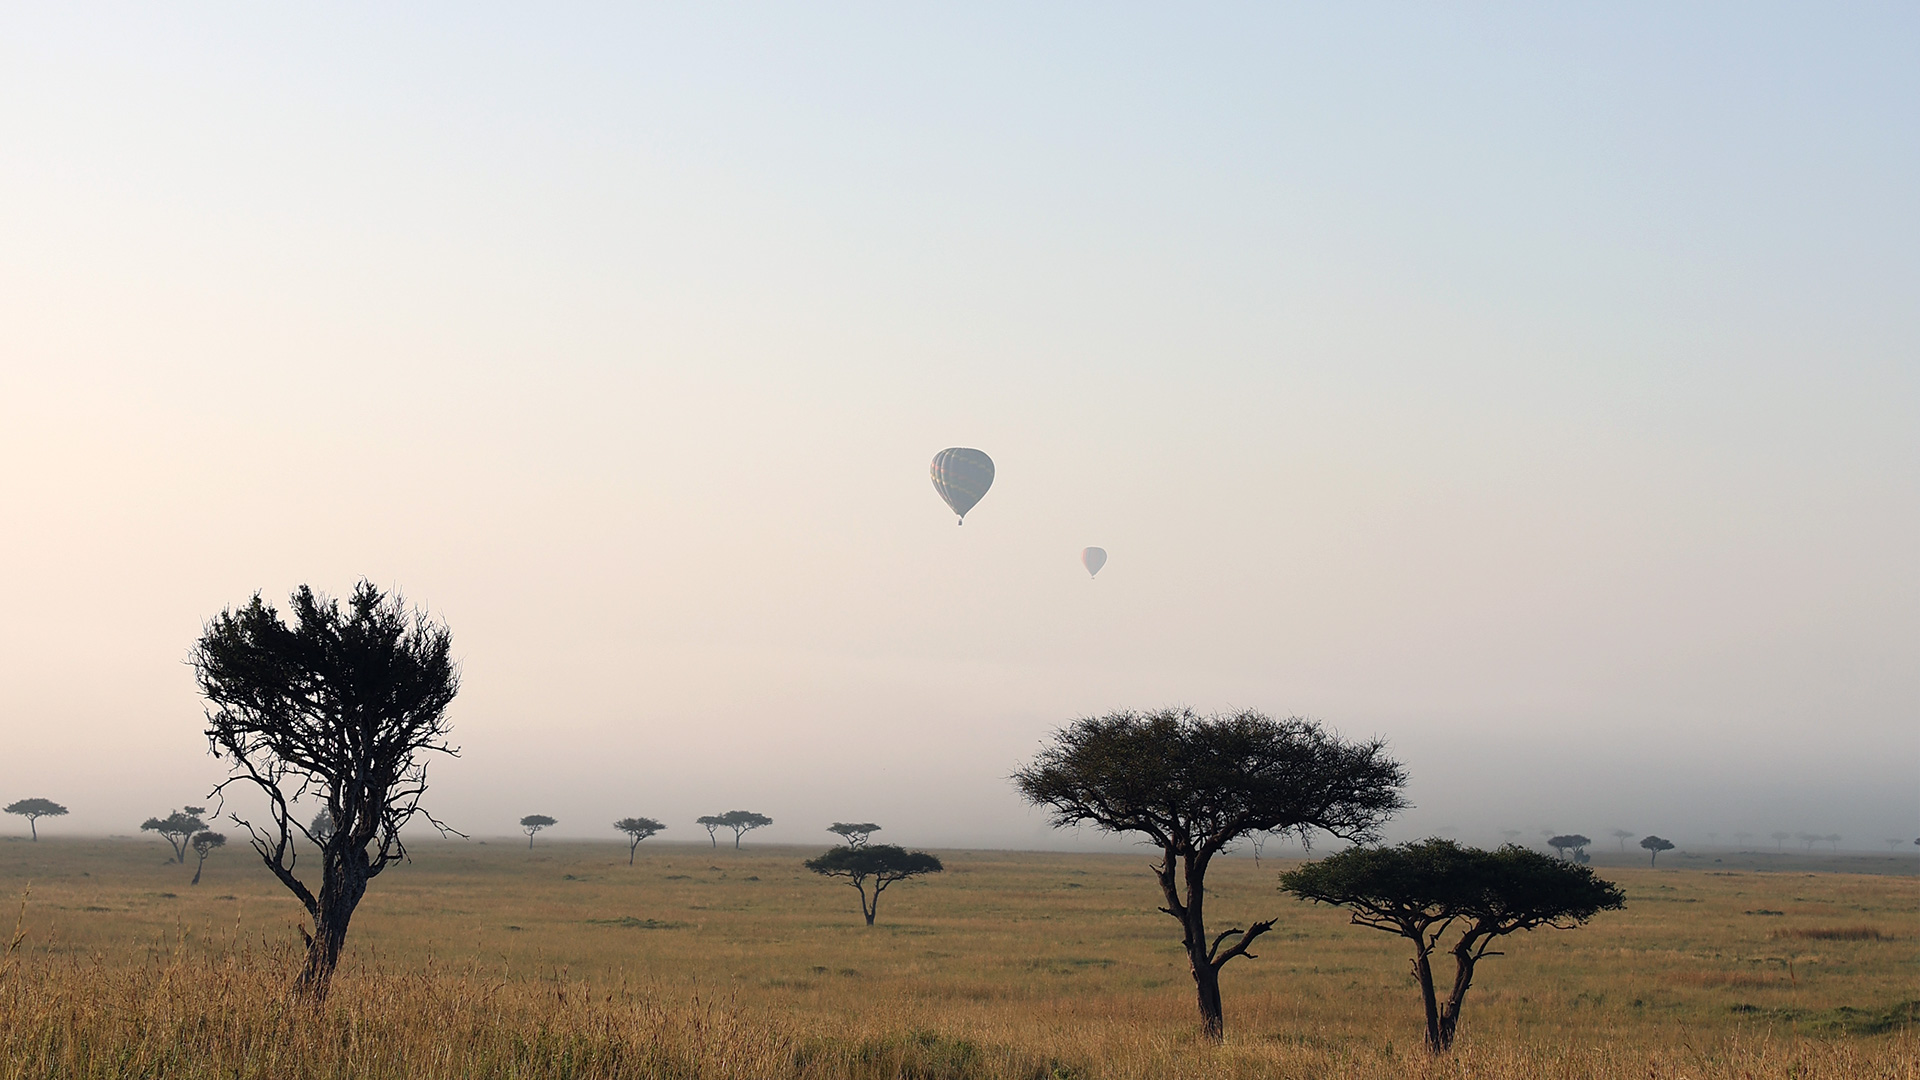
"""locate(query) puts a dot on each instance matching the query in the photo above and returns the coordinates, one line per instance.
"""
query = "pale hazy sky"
(1535, 387)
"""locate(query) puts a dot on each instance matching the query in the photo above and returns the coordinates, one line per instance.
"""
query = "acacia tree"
(1622, 835)
(1196, 784)
(713, 824)
(1421, 890)
(344, 705)
(1655, 845)
(743, 822)
(321, 827)
(856, 834)
(883, 863)
(205, 844)
(35, 809)
(177, 829)
(637, 829)
(533, 823)
(1780, 839)
(1571, 842)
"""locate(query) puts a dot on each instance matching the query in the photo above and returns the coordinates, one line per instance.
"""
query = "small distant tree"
(1571, 846)
(533, 823)
(883, 864)
(1832, 840)
(1421, 890)
(856, 834)
(1893, 845)
(743, 822)
(177, 829)
(205, 844)
(1622, 835)
(1656, 846)
(713, 823)
(1741, 838)
(1807, 840)
(35, 809)
(1780, 840)
(637, 829)
(1195, 785)
(321, 830)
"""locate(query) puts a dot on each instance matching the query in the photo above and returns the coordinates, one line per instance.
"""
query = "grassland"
(493, 960)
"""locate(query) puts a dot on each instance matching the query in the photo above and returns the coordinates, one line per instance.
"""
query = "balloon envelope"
(1093, 559)
(962, 476)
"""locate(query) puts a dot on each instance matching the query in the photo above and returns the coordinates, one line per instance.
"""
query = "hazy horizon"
(1535, 389)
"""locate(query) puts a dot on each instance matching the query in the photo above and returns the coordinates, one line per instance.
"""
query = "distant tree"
(1655, 845)
(1421, 890)
(205, 844)
(345, 705)
(1780, 840)
(1832, 840)
(1894, 845)
(884, 864)
(743, 822)
(533, 823)
(637, 829)
(1742, 837)
(713, 824)
(1807, 840)
(322, 827)
(1194, 785)
(177, 829)
(1622, 835)
(1571, 846)
(35, 809)
(855, 834)
(1713, 839)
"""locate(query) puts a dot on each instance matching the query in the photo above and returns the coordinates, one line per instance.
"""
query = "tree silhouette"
(205, 844)
(637, 829)
(1742, 837)
(1832, 840)
(742, 822)
(1571, 842)
(35, 809)
(321, 828)
(533, 823)
(1655, 845)
(177, 829)
(1622, 835)
(1195, 785)
(1893, 845)
(1807, 840)
(1780, 840)
(1421, 890)
(884, 864)
(344, 705)
(856, 834)
(713, 823)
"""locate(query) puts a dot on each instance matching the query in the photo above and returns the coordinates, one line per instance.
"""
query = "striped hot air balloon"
(962, 476)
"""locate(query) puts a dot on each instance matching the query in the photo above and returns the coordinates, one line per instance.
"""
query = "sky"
(1533, 387)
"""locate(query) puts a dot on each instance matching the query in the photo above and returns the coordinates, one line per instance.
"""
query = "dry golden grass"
(490, 960)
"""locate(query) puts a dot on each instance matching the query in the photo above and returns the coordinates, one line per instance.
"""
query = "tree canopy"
(347, 705)
(1194, 785)
(35, 809)
(1570, 846)
(205, 844)
(533, 823)
(637, 829)
(883, 864)
(177, 829)
(740, 821)
(1655, 845)
(856, 834)
(1421, 890)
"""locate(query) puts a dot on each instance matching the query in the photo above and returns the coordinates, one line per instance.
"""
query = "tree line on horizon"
(348, 705)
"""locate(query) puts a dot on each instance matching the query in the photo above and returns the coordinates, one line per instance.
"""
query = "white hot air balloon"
(1093, 559)
(962, 476)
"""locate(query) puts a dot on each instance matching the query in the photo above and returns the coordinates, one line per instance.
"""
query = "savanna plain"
(496, 960)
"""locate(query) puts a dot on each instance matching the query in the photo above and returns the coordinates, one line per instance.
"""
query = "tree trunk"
(529, 841)
(1423, 971)
(196, 872)
(33, 824)
(631, 848)
(340, 892)
(1450, 1012)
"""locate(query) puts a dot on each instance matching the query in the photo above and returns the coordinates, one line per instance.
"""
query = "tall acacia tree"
(345, 705)
(1422, 890)
(1196, 784)
(35, 809)
(883, 864)
(637, 829)
(177, 829)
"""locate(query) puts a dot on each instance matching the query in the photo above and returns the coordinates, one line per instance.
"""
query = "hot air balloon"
(962, 476)
(1093, 559)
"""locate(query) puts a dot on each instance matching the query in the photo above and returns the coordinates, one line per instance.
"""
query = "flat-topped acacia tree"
(742, 822)
(883, 864)
(35, 809)
(533, 823)
(346, 705)
(1656, 845)
(637, 829)
(177, 829)
(1423, 890)
(205, 844)
(1196, 784)
(855, 833)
